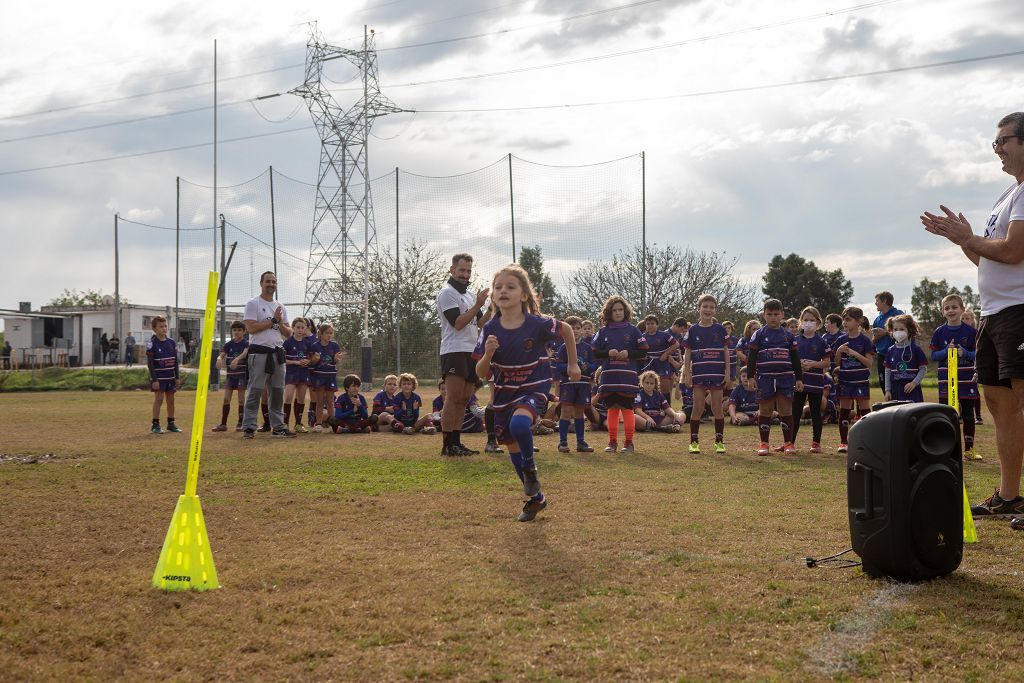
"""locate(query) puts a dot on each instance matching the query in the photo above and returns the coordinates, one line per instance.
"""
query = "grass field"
(370, 558)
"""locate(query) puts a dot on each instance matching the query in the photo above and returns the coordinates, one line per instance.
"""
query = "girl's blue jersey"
(519, 368)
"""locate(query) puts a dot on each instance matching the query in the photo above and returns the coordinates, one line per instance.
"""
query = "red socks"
(613, 424)
(629, 419)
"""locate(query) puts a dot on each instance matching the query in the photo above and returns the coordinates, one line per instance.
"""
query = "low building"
(70, 335)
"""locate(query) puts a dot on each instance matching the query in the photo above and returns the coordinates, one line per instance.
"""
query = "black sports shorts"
(1001, 347)
(459, 364)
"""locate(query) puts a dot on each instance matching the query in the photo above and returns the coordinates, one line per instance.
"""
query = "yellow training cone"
(186, 562)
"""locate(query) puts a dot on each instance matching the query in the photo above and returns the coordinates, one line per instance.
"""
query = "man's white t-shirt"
(453, 340)
(261, 310)
(1001, 285)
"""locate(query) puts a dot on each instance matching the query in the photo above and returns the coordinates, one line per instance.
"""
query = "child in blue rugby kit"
(814, 358)
(853, 355)
(407, 404)
(232, 360)
(325, 374)
(742, 402)
(351, 415)
(775, 372)
(619, 346)
(162, 358)
(472, 420)
(652, 409)
(383, 409)
(958, 332)
(706, 369)
(731, 341)
(905, 363)
(660, 345)
(574, 397)
(511, 353)
(749, 329)
(299, 357)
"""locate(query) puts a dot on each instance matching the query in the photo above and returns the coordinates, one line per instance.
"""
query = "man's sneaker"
(695, 447)
(265, 428)
(172, 427)
(815, 447)
(996, 506)
(531, 485)
(301, 429)
(224, 428)
(531, 508)
(972, 454)
(584, 447)
(628, 447)
(612, 447)
(1017, 523)
(239, 427)
(764, 449)
(843, 448)
(492, 447)
(719, 447)
(465, 451)
(249, 434)
(788, 448)
(283, 432)
(563, 447)
(156, 429)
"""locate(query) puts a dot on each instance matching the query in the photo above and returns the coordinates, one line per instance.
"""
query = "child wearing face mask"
(905, 363)
(814, 358)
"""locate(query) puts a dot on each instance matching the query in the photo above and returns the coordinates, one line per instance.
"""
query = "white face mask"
(900, 335)
(809, 326)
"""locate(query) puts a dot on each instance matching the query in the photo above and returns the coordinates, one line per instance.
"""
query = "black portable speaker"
(904, 482)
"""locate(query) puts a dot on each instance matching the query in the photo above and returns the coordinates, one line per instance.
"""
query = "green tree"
(72, 297)
(532, 261)
(799, 283)
(926, 299)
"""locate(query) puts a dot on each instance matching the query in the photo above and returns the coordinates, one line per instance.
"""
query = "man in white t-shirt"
(461, 314)
(266, 321)
(999, 255)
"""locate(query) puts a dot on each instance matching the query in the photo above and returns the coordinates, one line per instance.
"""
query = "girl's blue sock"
(517, 462)
(520, 426)
(563, 430)
(578, 423)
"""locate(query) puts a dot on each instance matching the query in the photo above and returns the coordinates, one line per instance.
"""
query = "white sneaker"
(430, 430)
(318, 429)
(408, 430)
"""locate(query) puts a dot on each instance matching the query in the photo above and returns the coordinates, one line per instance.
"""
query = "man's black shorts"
(1001, 347)
(459, 364)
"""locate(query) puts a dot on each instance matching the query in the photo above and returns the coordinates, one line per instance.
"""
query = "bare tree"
(673, 279)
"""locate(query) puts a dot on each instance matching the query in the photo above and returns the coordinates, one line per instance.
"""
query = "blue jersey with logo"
(326, 367)
(381, 401)
(903, 362)
(348, 408)
(519, 368)
(708, 352)
(965, 337)
(773, 347)
(585, 358)
(851, 371)
(163, 355)
(233, 350)
(815, 349)
(654, 404)
(744, 399)
(732, 342)
(619, 376)
(407, 408)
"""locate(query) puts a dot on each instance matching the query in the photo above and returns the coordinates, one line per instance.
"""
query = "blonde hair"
(606, 310)
(748, 329)
(531, 305)
(649, 374)
(952, 297)
(811, 310)
(408, 376)
(391, 377)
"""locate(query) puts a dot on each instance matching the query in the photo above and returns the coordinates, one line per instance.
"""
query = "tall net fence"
(567, 225)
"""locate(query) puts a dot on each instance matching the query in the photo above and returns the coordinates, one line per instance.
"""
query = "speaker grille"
(936, 519)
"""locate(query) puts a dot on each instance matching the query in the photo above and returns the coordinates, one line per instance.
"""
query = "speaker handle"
(869, 492)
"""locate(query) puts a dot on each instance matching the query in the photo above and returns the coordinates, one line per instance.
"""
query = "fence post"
(273, 230)
(177, 250)
(398, 281)
(643, 233)
(512, 207)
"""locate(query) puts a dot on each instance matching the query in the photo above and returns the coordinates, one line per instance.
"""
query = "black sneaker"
(450, 452)
(563, 447)
(584, 447)
(249, 434)
(172, 427)
(284, 432)
(1017, 523)
(264, 428)
(531, 508)
(531, 485)
(465, 451)
(996, 506)
(493, 447)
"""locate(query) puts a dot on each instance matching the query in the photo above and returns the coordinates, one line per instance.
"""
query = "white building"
(70, 335)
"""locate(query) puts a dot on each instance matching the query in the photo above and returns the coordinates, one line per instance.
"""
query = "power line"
(727, 91)
(152, 151)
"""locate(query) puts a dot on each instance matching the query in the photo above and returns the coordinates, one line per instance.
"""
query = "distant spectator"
(7, 355)
(104, 348)
(129, 350)
(182, 349)
(115, 348)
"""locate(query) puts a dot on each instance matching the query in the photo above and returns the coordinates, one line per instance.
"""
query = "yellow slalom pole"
(186, 561)
(953, 391)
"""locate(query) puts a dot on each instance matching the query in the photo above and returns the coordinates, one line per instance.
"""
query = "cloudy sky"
(738, 157)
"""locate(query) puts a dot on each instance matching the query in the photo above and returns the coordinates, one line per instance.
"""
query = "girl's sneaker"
(408, 430)
(815, 447)
(764, 449)
(429, 430)
(695, 447)
(612, 447)
(563, 447)
(224, 428)
(584, 447)
(172, 427)
(628, 447)
(301, 429)
(842, 448)
(719, 447)
(156, 429)
(788, 448)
